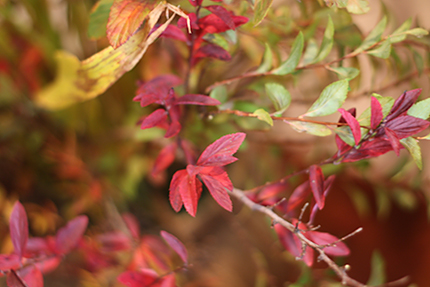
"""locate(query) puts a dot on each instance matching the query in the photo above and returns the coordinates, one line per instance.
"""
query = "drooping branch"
(339, 270)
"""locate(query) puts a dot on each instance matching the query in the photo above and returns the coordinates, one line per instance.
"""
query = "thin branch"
(340, 272)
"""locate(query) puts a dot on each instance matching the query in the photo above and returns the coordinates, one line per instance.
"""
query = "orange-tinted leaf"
(125, 18)
(18, 225)
(176, 245)
(81, 81)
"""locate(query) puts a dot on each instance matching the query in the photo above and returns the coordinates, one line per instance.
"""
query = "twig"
(340, 272)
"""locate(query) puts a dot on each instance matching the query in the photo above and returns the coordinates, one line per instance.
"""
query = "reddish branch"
(339, 270)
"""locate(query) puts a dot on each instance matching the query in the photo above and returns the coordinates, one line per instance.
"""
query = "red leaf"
(179, 180)
(223, 14)
(165, 158)
(196, 2)
(323, 238)
(405, 126)
(173, 130)
(137, 279)
(176, 245)
(10, 261)
(185, 189)
(156, 118)
(293, 244)
(174, 32)
(369, 149)
(403, 103)
(114, 241)
(49, 264)
(132, 224)
(353, 124)
(13, 280)
(168, 281)
(18, 225)
(298, 196)
(218, 182)
(220, 152)
(211, 51)
(376, 113)
(125, 18)
(156, 90)
(316, 180)
(213, 24)
(394, 140)
(68, 236)
(37, 245)
(32, 276)
(192, 99)
(327, 185)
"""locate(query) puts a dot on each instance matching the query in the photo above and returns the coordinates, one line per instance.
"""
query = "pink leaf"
(114, 241)
(211, 51)
(13, 280)
(220, 152)
(353, 124)
(32, 276)
(174, 32)
(137, 279)
(132, 224)
(298, 196)
(156, 118)
(403, 103)
(223, 14)
(376, 113)
(291, 243)
(176, 245)
(218, 182)
(173, 129)
(405, 126)
(49, 264)
(10, 261)
(316, 179)
(156, 90)
(323, 238)
(68, 236)
(164, 159)
(192, 99)
(18, 225)
(179, 180)
(327, 185)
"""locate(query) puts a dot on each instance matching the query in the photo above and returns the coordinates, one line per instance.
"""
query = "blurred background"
(92, 158)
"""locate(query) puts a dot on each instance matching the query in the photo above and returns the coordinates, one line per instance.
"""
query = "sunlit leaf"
(261, 7)
(99, 18)
(264, 116)
(327, 42)
(414, 149)
(421, 109)
(417, 32)
(279, 96)
(345, 72)
(358, 6)
(125, 18)
(291, 63)
(81, 81)
(331, 98)
(310, 128)
(266, 62)
(373, 37)
(382, 51)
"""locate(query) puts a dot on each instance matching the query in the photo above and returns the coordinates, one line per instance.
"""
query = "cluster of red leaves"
(384, 134)
(159, 91)
(34, 256)
(218, 21)
(186, 188)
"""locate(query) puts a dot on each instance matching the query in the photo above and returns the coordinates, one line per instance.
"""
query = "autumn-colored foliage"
(286, 114)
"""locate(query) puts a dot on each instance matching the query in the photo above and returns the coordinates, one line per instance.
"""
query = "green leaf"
(279, 96)
(346, 72)
(331, 98)
(264, 116)
(99, 18)
(310, 52)
(414, 149)
(377, 273)
(219, 93)
(357, 6)
(373, 37)
(266, 62)
(310, 128)
(421, 109)
(291, 63)
(386, 104)
(419, 61)
(217, 39)
(417, 32)
(399, 34)
(261, 7)
(327, 42)
(345, 133)
(382, 51)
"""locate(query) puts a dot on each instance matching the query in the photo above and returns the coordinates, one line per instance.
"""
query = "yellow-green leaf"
(399, 34)
(279, 96)
(261, 7)
(357, 6)
(327, 42)
(421, 109)
(345, 72)
(99, 18)
(266, 62)
(264, 116)
(382, 51)
(373, 37)
(414, 149)
(291, 63)
(310, 128)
